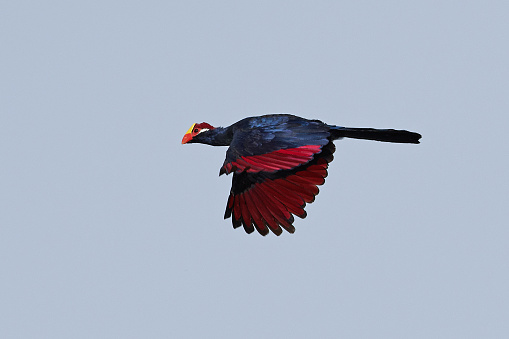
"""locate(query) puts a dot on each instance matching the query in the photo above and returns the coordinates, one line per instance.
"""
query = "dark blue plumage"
(278, 160)
(269, 133)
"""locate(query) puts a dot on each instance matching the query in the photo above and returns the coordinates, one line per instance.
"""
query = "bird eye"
(196, 130)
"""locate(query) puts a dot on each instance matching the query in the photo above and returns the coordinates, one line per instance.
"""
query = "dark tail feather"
(387, 135)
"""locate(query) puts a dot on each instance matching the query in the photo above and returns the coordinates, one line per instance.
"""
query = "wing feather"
(258, 221)
(265, 200)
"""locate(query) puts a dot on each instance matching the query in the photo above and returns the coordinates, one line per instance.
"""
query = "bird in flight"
(277, 161)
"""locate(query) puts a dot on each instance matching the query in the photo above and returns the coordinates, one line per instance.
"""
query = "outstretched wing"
(267, 195)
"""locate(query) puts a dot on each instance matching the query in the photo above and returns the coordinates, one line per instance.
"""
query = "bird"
(278, 161)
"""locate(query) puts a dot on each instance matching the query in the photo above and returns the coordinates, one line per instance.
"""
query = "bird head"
(194, 131)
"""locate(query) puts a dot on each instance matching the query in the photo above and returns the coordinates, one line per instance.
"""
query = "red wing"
(268, 201)
(282, 159)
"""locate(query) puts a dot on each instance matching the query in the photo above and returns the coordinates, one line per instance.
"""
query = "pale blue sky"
(110, 228)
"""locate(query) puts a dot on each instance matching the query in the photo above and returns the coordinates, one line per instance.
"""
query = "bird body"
(277, 161)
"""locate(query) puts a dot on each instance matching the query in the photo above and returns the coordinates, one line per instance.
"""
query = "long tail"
(387, 135)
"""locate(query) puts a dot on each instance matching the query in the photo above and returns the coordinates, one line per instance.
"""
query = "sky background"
(110, 228)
